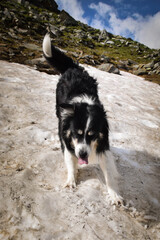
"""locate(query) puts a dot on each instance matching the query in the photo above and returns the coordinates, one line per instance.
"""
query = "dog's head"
(85, 129)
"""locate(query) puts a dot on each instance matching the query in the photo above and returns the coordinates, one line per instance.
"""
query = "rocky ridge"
(24, 23)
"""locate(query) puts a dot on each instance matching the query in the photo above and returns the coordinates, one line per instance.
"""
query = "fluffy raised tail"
(55, 57)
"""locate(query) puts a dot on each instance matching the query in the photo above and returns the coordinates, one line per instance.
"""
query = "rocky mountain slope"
(24, 23)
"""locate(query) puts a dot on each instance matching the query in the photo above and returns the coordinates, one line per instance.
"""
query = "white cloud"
(101, 8)
(122, 26)
(103, 11)
(97, 23)
(149, 31)
(144, 29)
(74, 8)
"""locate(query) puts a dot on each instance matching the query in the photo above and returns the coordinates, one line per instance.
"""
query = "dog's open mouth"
(82, 161)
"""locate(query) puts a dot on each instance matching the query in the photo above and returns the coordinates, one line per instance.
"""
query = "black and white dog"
(83, 125)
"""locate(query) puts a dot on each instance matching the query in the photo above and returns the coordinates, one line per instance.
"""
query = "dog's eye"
(80, 132)
(90, 133)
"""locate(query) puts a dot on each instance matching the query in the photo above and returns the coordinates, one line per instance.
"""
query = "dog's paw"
(115, 198)
(71, 183)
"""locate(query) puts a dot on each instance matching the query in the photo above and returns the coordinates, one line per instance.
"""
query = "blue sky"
(138, 19)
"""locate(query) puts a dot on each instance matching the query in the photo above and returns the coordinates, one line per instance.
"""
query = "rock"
(145, 69)
(122, 40)
(20, 30)
(140, 71)
(67, 20)
(110, 42)
(149, 65)
(109, 67)
(89, 36)
(26, 4)
(158, 70)
(95, 37)
(136, 66)
(123, 65)
(7, 14)
(36, 61)
(105, 59)
(139, 50)
(104, 35)
(80, 34)
(32, 46)
(127, 43)
(131, 62)
(87, 43)
(63, 28)
(55, 31)
(20, 1)
(127, 64)
(156, 65)
(51, 5)
(41, 65)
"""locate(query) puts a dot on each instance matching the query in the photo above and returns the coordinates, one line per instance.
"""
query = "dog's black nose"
(83, 154)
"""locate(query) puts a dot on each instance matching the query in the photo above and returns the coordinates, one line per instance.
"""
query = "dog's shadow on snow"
(140, 180)
(140, 172)
(91, 171)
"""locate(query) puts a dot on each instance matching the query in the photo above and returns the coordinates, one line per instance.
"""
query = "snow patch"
(148, 123)
(33, 203)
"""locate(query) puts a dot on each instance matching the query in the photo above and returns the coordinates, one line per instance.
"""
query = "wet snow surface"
(33, 204)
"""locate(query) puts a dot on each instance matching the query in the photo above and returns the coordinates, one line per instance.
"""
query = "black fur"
(75, 82)
(60, 61)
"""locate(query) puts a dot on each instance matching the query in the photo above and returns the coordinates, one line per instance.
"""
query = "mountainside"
(23, 25)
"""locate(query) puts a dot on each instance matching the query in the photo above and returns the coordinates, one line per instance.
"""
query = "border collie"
(83, 125)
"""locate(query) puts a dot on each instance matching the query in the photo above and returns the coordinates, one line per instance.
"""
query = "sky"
(137, 19)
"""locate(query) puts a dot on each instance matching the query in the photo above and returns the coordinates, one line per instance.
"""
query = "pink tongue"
(82, 161)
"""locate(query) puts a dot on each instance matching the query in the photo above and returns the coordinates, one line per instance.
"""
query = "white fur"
(83, 99)
(71, 164)
(47, 46)
(112, 177)
(66, 112)
(93, 158)
(107, 164)
(81, 146)
(87, 125)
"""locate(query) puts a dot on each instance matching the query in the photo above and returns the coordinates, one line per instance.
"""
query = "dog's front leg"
(112, 177)
(71, 164)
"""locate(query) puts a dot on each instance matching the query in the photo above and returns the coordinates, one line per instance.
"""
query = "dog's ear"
(67, 109)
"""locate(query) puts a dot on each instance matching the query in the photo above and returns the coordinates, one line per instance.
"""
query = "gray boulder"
(110, 43)
(41, 65)
(104, 35)
(149, 65)
(109, 67)
(157, 65)
(140, 71)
